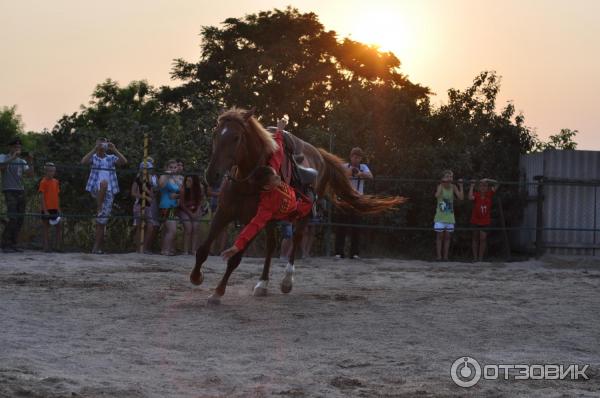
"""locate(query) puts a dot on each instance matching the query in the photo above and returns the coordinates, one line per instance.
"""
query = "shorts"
(52, 214)
(184, 217)
(287, 230)
(443, 226)
(169, 214)
(104, 213)
(150, 212)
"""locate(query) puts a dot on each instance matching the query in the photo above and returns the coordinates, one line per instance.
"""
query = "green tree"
(283, 62)
(565, 140)
(11, 124)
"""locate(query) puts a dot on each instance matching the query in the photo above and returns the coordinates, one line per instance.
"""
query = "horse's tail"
(336, 185)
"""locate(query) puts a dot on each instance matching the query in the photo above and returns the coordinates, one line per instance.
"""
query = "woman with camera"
(102, 184)
(357, 172)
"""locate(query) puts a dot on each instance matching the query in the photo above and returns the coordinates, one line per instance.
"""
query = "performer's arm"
(258, 222)
(262, 217)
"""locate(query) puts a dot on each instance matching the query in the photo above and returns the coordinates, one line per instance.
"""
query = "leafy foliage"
(284, 62)
(563, 140)
(11, 124)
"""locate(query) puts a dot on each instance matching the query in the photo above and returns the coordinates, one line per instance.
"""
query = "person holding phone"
(13, 168)
(102, 183)
(357, 172)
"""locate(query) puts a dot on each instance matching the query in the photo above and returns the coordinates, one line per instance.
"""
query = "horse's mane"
(266, 139)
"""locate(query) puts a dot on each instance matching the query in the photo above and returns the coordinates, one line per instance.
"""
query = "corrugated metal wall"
(565, 206)
(530, 165)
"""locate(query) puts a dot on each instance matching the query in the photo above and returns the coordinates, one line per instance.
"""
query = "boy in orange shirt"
(49, 189)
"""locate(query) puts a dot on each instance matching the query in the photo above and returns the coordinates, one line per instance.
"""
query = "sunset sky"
(548, 52)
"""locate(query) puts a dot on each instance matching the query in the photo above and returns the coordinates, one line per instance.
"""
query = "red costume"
(482, 208)
(277, 204)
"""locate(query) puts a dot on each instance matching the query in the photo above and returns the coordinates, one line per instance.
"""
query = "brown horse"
(241, 145)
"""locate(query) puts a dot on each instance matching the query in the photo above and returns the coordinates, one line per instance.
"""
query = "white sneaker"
(355, 257)
(338, 256)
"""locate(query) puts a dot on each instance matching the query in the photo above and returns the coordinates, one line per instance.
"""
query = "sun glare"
(387, 30)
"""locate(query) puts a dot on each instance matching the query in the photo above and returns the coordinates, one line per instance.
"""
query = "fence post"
(539, 222)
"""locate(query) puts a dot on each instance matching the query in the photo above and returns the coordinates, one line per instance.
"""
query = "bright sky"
(53, 53)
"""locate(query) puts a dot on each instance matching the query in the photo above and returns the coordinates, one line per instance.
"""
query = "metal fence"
(562, 191)
(556, 215)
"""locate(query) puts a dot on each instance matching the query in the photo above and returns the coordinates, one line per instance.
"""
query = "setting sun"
(387, 30)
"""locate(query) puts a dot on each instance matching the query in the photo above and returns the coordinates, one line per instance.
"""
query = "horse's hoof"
(260, 292)
(197, 279)
(214, 299)
(288, 279)
(286, 287)
(286, 283)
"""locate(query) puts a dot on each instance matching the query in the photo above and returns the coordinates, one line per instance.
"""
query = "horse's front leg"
(261, 287)
(217, 225)
(232, 264)
(288, 278)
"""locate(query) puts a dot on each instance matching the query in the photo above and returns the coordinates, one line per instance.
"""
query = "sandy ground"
(79, 325)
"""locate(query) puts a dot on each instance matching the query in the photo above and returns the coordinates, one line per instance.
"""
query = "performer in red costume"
(278, 201)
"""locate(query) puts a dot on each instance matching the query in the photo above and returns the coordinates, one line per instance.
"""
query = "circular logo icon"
(465, 372)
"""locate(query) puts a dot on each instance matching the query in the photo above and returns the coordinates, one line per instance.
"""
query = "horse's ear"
(249, 113)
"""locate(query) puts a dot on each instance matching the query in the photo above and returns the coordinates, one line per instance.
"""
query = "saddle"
(299, 177)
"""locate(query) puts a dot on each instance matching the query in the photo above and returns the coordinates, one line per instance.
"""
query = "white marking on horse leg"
(214, 299)
(260, 289)
(224, 131)
(288, 278)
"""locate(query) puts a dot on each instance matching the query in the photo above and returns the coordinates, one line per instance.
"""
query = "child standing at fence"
(169, 200)
(49, 189)
(444, 214)
(150, 214)
(481, 214)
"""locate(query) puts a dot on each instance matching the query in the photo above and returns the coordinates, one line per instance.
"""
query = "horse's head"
(228, 142)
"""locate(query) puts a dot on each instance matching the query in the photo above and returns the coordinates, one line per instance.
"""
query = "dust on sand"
(128, 325)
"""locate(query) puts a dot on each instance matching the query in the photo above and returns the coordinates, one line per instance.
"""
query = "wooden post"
(539, 223)
(143, 189)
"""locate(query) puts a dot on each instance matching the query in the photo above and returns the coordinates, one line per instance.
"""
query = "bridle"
(235, 167)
